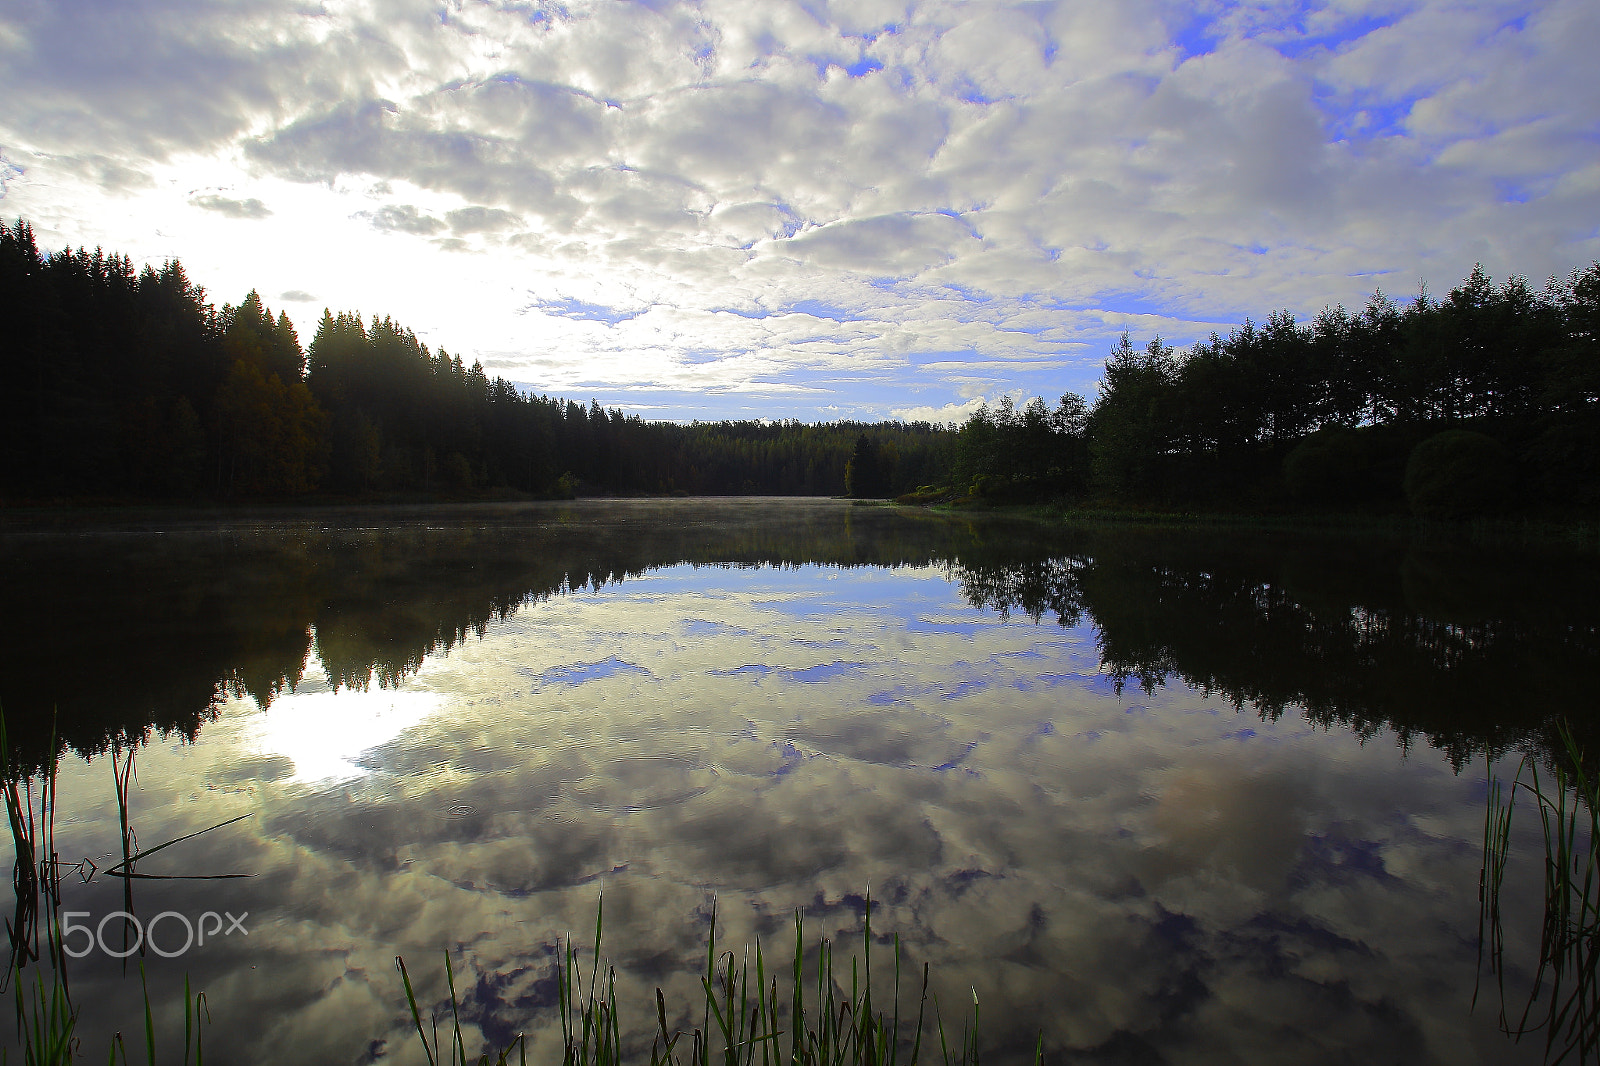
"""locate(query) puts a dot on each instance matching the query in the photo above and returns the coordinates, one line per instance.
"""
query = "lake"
(1163, 796)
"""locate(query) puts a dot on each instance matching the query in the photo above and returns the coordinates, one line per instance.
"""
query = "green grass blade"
(797, 1010)
(416, 1015)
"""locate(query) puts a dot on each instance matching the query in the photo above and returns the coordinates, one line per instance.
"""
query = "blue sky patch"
(1365, 118)
(814, 675)
(1196, 37)
(819, 309)
(579, 311)
(1512, 192)
(957, 629)
(703, 627)
(1348, 32)
(579, 673)
(758, 669)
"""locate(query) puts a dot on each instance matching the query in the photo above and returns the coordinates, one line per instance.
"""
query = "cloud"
(402, 218)
(222, 205)
(299, 296)
(167, 77)
(928, 168)
(950, 412)
(9, 172)
(905, 244)
(480, 220)
(745, 223)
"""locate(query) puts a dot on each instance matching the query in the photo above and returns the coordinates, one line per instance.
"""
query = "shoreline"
(1576, 532)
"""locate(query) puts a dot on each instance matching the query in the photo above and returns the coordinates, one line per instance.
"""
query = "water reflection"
(1472, 651)
(774, 705)
(129, 630)
(125, 632)
(323, 734)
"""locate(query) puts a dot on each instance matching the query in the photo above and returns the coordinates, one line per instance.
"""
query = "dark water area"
(1165, 796)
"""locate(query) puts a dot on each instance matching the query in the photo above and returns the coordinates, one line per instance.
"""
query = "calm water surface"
(1166, 797)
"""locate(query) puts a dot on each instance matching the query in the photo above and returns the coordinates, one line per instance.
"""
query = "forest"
(129, 385)
(126, 384)
(1486, 401)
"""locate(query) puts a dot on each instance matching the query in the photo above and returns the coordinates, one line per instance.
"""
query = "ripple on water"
(642, 782)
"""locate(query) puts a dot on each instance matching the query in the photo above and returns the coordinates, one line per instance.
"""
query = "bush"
(1564, 461)
(1330, 467)
(926, 494)
(1458, 474)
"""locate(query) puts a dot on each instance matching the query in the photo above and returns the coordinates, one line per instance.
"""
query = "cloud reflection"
(1127, 871)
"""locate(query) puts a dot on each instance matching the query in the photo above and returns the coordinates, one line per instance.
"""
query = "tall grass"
(455, 1052)
(46, 1017)
(744, 1016)
(35, 877)
(1564, 999)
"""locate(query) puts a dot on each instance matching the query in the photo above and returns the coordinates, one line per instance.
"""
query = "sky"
(762, 209)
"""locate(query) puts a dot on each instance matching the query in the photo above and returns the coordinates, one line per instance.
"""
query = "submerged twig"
(125, 867)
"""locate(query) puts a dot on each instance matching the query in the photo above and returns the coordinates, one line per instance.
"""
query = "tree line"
(1485, 400)
(127, 383)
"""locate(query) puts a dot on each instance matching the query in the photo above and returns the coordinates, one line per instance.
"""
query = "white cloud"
(404, 218)
(222, 205)
(950, 412)
(1009, 181)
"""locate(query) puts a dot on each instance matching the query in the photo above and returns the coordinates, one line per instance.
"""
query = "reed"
(46, 1017)
(35, 877)
(1564, 998)
(45, 1014)
(455, 1052)
(744, 1015)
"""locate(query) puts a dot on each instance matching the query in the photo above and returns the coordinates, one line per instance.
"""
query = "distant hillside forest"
(125, 384)
(128, 384)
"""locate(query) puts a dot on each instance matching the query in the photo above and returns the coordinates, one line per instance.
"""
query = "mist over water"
(1165, 796)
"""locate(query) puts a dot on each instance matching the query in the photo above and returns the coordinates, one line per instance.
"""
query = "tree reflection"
(1471, 651)
(131, 634)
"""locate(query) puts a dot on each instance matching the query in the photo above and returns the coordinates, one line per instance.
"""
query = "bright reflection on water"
(1146, 876)
(323, 733)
